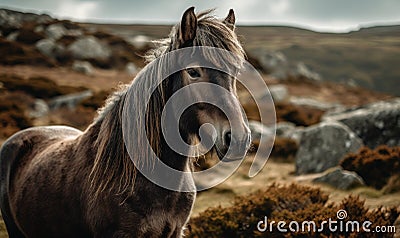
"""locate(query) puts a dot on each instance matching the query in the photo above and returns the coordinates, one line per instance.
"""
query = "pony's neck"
(107, 136)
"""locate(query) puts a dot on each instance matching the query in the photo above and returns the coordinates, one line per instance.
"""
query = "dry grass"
(286, 203)
(375, 166)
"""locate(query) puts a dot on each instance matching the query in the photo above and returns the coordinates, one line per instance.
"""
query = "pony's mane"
(113, 169)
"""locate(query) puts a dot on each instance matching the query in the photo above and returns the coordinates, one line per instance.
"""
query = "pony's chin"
(223, 156)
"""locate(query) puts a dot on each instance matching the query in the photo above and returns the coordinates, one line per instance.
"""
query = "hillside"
(368, 58)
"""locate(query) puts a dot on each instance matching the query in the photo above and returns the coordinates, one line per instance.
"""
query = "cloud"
(81, 10)
(317, 14)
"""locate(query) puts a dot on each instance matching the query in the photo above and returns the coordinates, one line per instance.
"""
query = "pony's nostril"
(228, 136)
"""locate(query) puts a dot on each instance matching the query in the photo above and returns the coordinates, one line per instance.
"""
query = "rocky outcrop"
(323, 146)
(131, 69)
(55, 31)
(89, 47)
(279, 92)
(376, 124)
(14, 19)
(341, 179)
(50, 48)
(84, 67)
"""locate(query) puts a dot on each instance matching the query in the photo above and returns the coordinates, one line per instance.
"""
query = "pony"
(57, 181)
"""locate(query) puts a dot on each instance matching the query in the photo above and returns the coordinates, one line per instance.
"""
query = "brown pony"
(57, 181)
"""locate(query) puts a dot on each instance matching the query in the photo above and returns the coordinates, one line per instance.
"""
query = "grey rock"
(279, 92)
(55, 31)
(46, 47)
(284, 129)
(89, 47)
(322, 146)
(303, 70)
(289, 130)
(309, 102)
(9, 19)
(12, 36)
(83, 67)
(376, 124)
(270, 61)
(131, 68)
(14, 19)
(39, 29)
(69, 100)
(39, 109)
(50, 48)
(74, 32)
(43, 18)
(258, 129)
(341, 179)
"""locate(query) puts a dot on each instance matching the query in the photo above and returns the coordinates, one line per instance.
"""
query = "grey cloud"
(314, 13)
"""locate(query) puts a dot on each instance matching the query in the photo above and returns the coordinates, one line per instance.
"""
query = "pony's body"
(55, 171)
(61, 182)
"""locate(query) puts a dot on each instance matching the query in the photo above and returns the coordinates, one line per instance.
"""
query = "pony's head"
(205, 30)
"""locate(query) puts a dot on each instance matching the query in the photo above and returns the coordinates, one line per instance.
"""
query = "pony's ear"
(230, 19)
(188, 26)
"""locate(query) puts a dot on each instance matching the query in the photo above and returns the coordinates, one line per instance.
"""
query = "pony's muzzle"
(235, 145)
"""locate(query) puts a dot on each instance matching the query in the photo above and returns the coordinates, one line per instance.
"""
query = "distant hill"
(369, 57)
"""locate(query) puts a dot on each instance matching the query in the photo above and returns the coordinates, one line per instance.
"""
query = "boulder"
(309, 102)
(341, 179)
(270, 61)
(9, 19)
(39, 28)
(83, 67)
(69, 100)
(322, 146)
(131, 69)
(46, 47)
(43, 18)
(284, 129)
(376, 124)
(89, 47)
(279, 92)
(39, 109)
(55, 31)
(258, 129)
(12, 36)
(303, 70)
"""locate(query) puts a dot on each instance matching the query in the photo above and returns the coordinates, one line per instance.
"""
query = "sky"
(319, 15)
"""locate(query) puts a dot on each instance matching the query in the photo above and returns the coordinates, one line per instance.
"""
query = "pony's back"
(15, 155)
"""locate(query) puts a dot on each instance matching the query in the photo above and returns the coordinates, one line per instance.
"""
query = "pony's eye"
(193, 73)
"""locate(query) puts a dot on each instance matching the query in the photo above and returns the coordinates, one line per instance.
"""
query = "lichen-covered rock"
(279, 92)
(323, 146)
(84, 67)
(55, 31)
(89, 47)
(342, 179)
(376, 124)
